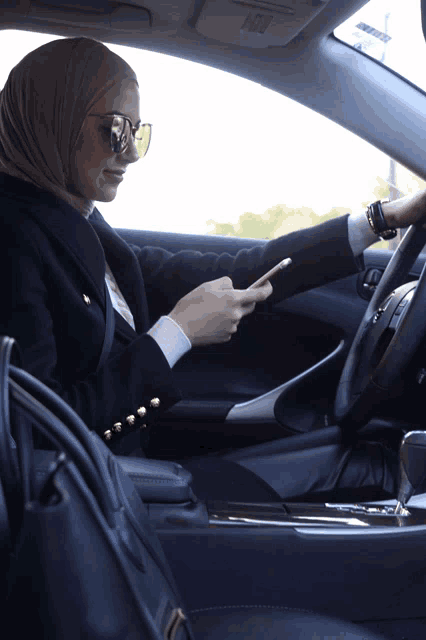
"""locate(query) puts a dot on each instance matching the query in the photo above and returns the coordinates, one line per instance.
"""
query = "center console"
(165, 488)
(355, 561)
(237, 514)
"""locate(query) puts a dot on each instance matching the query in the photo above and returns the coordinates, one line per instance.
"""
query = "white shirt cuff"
(360, 233)
(173, 342)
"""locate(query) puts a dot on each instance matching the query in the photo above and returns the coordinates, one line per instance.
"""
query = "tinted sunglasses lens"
(121, 132)
(142, 139)
(117, 134)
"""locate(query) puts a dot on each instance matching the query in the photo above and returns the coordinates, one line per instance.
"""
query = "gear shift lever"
(412, 466)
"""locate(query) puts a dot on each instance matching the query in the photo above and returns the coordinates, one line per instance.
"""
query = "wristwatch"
(377, 220)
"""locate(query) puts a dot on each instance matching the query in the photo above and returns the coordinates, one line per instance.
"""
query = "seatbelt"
(109, 329)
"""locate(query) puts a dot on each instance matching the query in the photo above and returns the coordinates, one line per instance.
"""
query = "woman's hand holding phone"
(268, 275)
(210, 313)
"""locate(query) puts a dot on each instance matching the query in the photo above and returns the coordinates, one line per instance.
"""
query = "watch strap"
(377, 220)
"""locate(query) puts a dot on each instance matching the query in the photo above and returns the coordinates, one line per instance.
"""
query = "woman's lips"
(114, 177)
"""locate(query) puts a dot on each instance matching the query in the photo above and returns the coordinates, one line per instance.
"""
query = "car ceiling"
(296, 55)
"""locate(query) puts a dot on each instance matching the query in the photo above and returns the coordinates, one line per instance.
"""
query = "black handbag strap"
(5, 533)
(8, 460)
(109, 329)
(97, 479)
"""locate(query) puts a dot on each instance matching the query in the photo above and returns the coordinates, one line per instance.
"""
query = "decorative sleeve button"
(141, 412)
(117, 426)
(108, 434)
(86, 299)
(131, 420)
(155, 403)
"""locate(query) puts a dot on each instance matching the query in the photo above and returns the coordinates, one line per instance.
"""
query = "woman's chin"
(107, 194)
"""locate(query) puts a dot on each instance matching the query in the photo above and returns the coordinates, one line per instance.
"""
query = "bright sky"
(225, 167)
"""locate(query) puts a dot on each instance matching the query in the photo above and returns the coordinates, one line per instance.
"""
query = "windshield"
(390, 31)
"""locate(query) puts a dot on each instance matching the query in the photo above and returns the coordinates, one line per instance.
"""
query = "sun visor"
(256, 23)
(103, 15)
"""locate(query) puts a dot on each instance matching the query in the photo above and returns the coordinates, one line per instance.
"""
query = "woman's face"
(93, 161)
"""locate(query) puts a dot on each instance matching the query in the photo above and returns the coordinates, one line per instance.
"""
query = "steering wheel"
(391, 330)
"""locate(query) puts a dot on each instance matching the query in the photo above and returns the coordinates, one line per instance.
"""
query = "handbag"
(85, 561)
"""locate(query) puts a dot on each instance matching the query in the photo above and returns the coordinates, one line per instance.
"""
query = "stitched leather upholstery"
(270, 623)
(157, 481)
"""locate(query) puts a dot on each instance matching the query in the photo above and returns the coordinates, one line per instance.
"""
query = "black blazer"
(52, 298)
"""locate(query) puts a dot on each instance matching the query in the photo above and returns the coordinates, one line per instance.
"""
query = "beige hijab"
(43, 105)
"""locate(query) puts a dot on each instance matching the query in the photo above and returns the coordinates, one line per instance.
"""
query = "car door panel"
(273, 348)
(273, 344)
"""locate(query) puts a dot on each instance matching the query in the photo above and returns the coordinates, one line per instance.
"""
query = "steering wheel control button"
(399, 308)
(377, 315)
(383, 308)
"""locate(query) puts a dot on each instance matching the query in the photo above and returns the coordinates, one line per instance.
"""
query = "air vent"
(256, 23)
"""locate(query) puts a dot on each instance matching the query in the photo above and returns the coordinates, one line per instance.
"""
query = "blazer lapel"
(65, 225)
(87, 243)
(126, 269)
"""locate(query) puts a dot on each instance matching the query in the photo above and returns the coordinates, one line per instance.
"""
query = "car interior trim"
(261, 409)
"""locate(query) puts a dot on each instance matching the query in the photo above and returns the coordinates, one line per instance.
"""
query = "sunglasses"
(121, 130)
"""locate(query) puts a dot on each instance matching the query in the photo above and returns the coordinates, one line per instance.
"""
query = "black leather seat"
(235, 623)
(263, 623)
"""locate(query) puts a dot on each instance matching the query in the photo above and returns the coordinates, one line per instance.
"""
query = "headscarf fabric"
(43, 105)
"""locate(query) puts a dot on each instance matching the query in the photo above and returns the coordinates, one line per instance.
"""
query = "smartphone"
(268, 275)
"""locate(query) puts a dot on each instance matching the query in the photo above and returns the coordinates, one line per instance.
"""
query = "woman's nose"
(130, 153)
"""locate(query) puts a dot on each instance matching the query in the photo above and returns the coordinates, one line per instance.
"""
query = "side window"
(231, 157)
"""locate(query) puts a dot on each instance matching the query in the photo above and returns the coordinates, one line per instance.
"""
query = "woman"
(69, 128)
